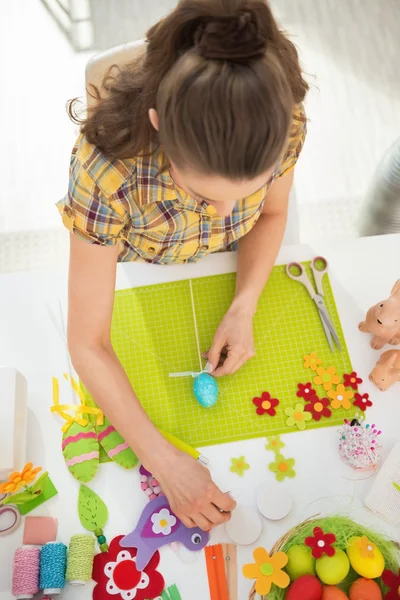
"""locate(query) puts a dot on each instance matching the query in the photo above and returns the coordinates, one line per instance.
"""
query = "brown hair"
(224, 80)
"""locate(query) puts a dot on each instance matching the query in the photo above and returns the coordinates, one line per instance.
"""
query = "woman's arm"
(188, 486)
(256, 257)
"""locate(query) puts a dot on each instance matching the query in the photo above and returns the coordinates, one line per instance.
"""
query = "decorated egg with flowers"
(365, 557)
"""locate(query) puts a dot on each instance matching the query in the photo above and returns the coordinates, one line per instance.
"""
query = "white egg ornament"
(205, 389)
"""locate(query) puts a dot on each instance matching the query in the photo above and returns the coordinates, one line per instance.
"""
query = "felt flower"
(18, 480)
(117, 577)
(341, 397)
(311, 361)
(362, 402)
(392, 581)
(239, 465)
(163, 522)
(305, 391)
(266, 404)
(321, 543)
(318, 407)
(326, 377)
(352, 380)
(367, 548)
(283, 467)
(274, 443)
(267, 570)
(297, 417)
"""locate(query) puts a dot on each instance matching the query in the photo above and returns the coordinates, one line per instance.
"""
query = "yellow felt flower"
(326, 377)
(283, 467)
(341, 397)
(366, 547)
(267, 570)
(18, 480)
(311, 361)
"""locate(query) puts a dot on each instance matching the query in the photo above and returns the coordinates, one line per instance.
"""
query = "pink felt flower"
(266, 404)
(352, 380)
(318, 408)
(305, 391)
(321, 543)
(117, 577)
(362, 402)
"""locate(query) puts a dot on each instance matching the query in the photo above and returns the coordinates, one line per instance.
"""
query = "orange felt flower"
(366, 547)
(18, 480)
(341, 397)
(326, 377)
(311, 361)
(267, 570)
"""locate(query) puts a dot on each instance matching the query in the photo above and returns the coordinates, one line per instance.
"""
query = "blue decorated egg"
(206, 390)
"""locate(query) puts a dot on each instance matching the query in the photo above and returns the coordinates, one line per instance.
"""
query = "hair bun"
(231, 38)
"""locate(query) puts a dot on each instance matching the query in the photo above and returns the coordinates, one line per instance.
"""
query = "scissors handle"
(319, 272)
(300, 276)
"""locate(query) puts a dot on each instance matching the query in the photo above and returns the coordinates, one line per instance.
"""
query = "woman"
(188, 150)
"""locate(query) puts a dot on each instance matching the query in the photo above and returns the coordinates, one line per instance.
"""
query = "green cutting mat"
(153, 334)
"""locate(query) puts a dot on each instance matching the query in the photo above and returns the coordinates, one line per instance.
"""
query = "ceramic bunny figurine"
(387, 370)
(383, 320)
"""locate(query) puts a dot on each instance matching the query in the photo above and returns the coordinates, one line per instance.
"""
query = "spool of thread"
(53, 561)
(80, 559)
(25, 579)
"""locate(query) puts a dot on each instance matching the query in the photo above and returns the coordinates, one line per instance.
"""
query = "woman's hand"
(233, 343)
(191, 493)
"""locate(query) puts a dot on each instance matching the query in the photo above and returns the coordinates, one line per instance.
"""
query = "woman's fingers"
(202, 522)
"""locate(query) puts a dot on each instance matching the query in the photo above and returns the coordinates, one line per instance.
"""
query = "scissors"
(319, 267)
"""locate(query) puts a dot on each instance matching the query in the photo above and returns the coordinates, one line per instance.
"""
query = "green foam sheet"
(153, 334)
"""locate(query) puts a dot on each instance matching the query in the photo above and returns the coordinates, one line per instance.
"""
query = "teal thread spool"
(80, 559)
(53, 561)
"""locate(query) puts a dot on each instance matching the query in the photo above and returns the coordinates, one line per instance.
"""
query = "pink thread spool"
(25, 579)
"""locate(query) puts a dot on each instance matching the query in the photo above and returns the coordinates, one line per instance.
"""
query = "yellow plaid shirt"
(134, 203)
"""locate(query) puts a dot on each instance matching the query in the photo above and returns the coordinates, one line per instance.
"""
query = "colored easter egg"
(331, 592)
(206, 390)
(333, 569)
(365, 589)
(306, 587)
(80, 448)
(300, 562)
(365, 558)
(115, 446)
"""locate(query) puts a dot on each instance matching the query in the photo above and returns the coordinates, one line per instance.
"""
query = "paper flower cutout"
(352, 380)
(341, 397)
(239, 465)
(318, 408)
(274, 443)
(362, 402)
(267, 570)
(117, 577)
(392, 581)
(367, 548)
(283, 467)
(266, 404)
(321, 543)
(311, 361)
(326, 377)
(163, 522)
(297, 417)
(18, 480)
(305, 391)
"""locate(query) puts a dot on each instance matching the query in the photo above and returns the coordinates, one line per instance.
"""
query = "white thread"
(195, 324)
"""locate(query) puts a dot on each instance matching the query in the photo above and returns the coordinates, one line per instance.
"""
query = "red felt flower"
(117, 577)
(266, 404)
(321, 543)
(363, 401)
(393, 582)
(306, 391)
(318, 408)
(352, 380)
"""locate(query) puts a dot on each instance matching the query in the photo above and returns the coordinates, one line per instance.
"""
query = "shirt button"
(151, 250)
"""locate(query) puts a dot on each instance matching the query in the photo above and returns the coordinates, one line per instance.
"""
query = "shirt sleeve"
(88, 212)
(296, 141)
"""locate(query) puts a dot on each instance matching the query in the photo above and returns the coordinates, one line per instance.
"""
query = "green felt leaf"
(93, 513)
(396, 486)
(171, 594)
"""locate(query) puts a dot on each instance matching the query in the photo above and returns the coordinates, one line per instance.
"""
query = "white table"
(362, 270)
